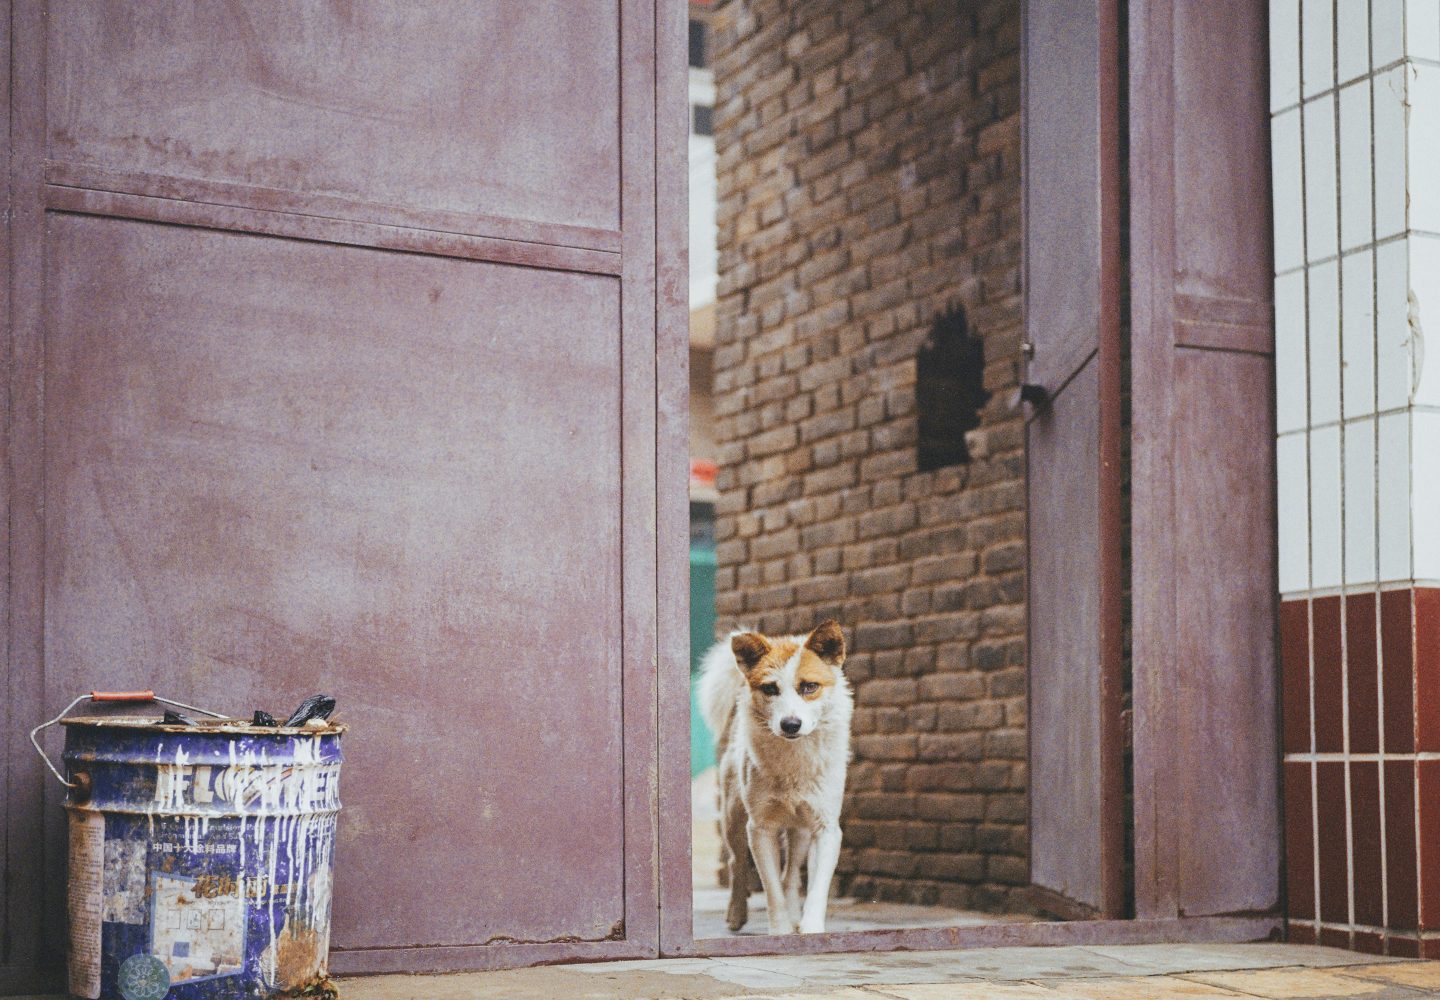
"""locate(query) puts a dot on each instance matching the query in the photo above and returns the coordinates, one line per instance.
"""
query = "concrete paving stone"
(881, 968)
(1172, 958)
(843, 993)
(1271, 971)
(1309, 984)
(1139, 988)
(549, 984)
(733, 972)
(844, 914)
(1422, 975)
(677, 966)
(971, 991)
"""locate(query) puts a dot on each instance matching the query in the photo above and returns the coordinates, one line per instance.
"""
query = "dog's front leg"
(824, 854)
(765, 847)
(736, 828)
(799, 855)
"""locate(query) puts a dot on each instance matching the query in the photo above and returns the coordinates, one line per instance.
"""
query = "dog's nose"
(790, 726)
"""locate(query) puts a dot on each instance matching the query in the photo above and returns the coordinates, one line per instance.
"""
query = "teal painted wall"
(702, 636)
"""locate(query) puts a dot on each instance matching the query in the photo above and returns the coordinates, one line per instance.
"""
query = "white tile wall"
(1290, 392)
(1357, 334)
(1422, 29)
(1293, 511)
(1287, 197)
(1389, 117)
(1392, 325)
(1393, 484)
(1323, 343)
(1284, 53)
(1423, 148)
(1425, 496)
(1360, 503)
(1352, 38)
(1424, 335)
(1357, 174)
(1317, 28)
(1387, 31)
(1319, 155)
(1325, 527)
(1356, 207)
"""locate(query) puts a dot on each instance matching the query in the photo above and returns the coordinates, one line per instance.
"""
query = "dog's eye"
(770, 690)
(809, 687)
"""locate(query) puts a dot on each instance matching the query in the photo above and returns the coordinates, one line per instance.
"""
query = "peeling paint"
(124, 881)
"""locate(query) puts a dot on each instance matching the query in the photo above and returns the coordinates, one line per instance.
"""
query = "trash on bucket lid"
(233, 727)
(311, 717)
(317, 706)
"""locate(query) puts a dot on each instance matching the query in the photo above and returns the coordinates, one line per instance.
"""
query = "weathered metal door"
(1072, 305)
(332, 366)
(1206, 734)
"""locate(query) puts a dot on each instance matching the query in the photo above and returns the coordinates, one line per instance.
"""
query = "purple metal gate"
(333, 348)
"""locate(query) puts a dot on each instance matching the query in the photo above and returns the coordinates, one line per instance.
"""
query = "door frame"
(1159, 180)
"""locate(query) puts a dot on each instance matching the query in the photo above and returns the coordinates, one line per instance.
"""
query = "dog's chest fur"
(785, 784)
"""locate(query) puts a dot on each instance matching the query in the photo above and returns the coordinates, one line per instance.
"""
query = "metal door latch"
(1036, 395)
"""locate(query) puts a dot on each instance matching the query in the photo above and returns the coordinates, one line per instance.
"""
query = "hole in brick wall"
(949, 390)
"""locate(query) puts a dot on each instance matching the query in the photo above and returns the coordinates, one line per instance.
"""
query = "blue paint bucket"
(201, 857)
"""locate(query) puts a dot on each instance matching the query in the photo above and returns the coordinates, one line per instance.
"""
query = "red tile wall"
(1361, 715)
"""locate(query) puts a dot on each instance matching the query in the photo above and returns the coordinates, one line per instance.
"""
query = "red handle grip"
(122, 695)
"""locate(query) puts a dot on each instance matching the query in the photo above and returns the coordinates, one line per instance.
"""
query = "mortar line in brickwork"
(1309, 496)
(1368, 247)
(1384, 587)
(1380, 730)
(1415, 771)
(1338, 344)
(1369, 74)
(1369, 85)
(1350, 421)
(1420, 859)
(1409, 933)
(1362, 758)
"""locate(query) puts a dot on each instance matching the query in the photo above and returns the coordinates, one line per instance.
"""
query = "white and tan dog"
(780, 711)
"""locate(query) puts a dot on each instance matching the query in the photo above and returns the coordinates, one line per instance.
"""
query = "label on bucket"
(86, 901)
(199, 925)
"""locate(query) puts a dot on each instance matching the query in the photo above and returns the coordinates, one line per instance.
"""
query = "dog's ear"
(749, 649)
(828, 643)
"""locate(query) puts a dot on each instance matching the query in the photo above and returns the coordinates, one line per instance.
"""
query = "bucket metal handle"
(117, 696)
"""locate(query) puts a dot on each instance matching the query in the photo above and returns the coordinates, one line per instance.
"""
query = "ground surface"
(1132, 972)
(844, 914)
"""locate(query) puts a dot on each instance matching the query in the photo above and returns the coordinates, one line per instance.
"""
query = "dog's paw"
(778, 927)
(812, 926)
(737, 914)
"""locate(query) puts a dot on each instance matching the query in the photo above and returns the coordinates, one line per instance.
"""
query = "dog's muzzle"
(790, 727)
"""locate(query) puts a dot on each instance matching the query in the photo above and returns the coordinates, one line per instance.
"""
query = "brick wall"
(869, 179)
